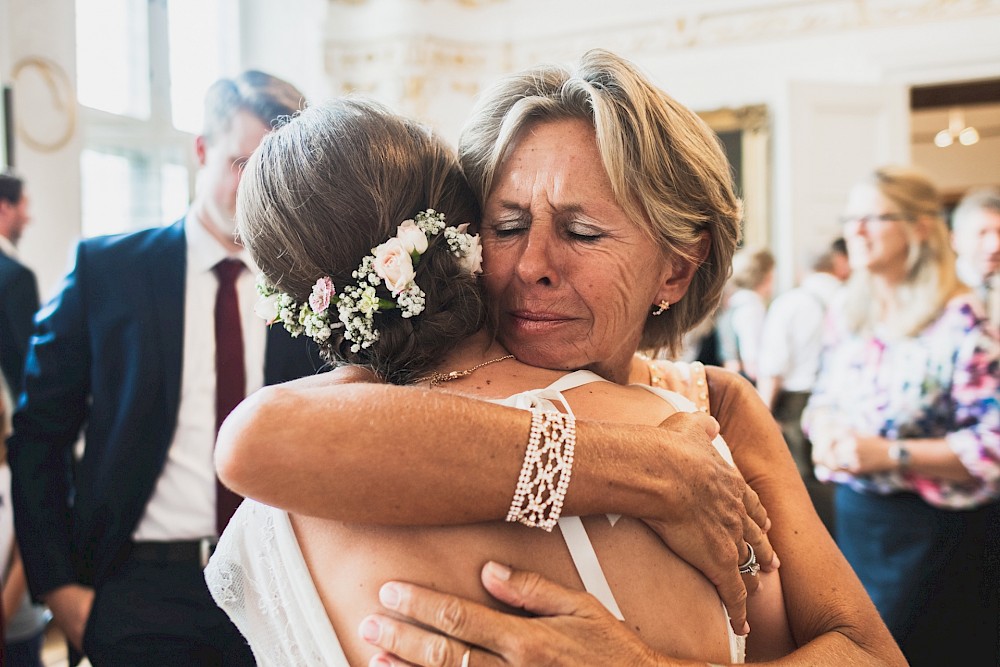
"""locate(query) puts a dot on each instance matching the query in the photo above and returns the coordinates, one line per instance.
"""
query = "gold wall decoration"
(50, 124)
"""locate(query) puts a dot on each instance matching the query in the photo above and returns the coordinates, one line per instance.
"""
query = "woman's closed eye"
(506, 228)
(584, 232)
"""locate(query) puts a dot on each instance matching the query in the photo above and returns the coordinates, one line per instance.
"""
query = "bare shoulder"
(606, 401)
(749, 428)
(728, 389)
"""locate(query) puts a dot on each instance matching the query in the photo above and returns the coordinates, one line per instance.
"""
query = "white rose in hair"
(393, 265)
(412, 237)
(267, 308)
(472, 260)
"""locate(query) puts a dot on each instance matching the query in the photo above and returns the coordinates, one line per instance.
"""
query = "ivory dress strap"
(588, 566)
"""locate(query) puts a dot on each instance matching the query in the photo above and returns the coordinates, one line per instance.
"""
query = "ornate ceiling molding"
(757, 24)
(667, 32)
(412, 69)
(463, 3)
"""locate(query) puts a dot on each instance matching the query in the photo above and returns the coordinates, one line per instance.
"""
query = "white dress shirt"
(8, 248)
(793, 332)
(747, 311)
(182, 506)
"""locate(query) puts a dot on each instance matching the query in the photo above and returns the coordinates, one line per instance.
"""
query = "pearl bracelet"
(545, 473)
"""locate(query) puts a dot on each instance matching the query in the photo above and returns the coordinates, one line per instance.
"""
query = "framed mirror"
(746, 136)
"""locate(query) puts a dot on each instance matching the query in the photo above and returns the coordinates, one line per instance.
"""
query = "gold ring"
(465, 657)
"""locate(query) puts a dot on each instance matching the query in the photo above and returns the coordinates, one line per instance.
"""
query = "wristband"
(899, 454)
(545, 473)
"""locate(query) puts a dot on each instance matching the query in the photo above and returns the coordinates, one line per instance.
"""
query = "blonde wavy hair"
(666, 166)
(930, 263)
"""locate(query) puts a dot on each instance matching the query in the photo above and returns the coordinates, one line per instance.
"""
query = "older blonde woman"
(560, 161)
(905, 419)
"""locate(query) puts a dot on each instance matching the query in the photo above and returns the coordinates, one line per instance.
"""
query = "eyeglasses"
(869, 219)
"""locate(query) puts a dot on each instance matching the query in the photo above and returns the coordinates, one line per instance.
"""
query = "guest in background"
(18, 289)
(905, 420)
(149, 343)
(841, 262)
(21, 635)
(741, 321)
(25, 621)
(976, 238)
(790, 350)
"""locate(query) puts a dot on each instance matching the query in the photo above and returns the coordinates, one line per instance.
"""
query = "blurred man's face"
(17, 215)
(841, 266)
(977, 242)
(222, 161)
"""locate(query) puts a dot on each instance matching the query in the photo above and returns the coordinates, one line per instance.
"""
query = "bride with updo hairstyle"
(333, 184)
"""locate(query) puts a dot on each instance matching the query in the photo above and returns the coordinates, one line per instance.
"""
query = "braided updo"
(335, 181)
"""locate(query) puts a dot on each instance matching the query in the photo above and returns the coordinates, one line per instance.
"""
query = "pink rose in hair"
(393, 265)
(412, 237)
(322, 293)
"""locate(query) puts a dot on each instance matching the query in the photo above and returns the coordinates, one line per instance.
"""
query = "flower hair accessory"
(391, 264)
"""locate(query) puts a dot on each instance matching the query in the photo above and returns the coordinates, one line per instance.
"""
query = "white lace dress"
(259, 577)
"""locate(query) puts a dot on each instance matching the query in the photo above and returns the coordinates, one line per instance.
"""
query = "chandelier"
(956, 130)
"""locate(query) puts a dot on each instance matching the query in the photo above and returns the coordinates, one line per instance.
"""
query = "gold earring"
(663, 305)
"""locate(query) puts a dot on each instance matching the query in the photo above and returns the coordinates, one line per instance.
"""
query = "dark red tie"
(230, 373)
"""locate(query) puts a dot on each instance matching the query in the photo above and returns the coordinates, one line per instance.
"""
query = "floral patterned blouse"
(941, 383)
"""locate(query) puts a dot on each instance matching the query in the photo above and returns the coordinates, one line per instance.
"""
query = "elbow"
(241, 445)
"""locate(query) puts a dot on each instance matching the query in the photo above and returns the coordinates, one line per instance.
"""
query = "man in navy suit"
(18, 289)
(114, 539)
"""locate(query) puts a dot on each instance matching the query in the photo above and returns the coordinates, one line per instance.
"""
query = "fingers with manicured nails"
(755, 530)
(461, 619)
(573, 630)
(755, 509)
(405, 644)
(733, 591)
(536, 594)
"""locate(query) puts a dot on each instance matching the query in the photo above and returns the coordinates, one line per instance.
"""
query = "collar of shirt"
(205, 251)
(823, 285)
(7, 248)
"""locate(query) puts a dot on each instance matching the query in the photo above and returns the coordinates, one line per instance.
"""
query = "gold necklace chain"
(437, 378)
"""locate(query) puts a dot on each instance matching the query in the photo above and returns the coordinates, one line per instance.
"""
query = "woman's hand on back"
(707, 514)
(567, 627)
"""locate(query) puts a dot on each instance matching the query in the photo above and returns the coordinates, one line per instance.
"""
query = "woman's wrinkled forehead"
(575, 152)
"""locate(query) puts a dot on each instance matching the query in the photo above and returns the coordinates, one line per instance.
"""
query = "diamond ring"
(751, 566)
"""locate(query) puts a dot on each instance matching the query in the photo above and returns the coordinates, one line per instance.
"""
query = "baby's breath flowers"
(392, 265)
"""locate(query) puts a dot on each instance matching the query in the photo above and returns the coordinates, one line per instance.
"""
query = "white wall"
(286, 39)
(44, 28)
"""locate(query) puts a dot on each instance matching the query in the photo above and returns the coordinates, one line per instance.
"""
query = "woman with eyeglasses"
(905, 420)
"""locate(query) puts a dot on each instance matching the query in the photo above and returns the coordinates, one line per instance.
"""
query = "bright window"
(202, 43)
(122, 187)
(112, 56)
(143, 67)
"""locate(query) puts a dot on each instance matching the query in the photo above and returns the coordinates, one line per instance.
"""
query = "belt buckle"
(206, 547)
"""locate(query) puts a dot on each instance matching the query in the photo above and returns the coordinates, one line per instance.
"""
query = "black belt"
(189, 552)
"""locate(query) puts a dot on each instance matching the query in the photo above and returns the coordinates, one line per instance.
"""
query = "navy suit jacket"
(18, 305)
(106, 357)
